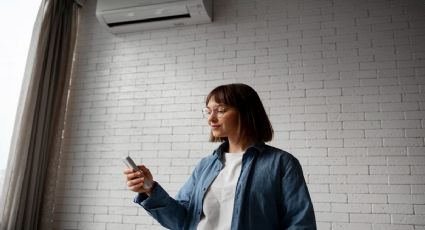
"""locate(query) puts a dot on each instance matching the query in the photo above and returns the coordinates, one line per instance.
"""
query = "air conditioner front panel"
(107, 5)
(121, 16)
(144, 14)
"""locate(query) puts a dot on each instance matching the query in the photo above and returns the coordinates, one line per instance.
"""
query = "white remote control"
(130, 163)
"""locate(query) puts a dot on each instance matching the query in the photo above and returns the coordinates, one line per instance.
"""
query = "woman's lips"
(214, 126)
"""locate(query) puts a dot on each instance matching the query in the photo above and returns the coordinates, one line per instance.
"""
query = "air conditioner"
(120, 16)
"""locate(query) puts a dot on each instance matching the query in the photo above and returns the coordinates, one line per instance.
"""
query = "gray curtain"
(39, 119)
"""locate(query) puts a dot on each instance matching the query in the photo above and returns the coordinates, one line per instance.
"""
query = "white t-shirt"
(218, 201)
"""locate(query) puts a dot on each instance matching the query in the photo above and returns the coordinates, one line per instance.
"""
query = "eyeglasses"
(219, 111)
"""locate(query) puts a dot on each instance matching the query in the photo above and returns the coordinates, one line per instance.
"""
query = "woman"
(243, 184)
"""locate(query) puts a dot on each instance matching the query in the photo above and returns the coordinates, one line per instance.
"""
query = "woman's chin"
(216, 134)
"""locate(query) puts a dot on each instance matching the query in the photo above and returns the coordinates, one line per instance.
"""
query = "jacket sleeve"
(298, 208)
(169, 212)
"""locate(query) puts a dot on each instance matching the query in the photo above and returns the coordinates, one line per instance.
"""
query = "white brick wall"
(343, 82)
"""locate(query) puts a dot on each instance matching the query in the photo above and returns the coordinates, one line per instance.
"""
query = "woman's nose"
(212, 117)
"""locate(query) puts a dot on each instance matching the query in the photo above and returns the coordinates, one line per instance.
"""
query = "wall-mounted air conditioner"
(120, 16)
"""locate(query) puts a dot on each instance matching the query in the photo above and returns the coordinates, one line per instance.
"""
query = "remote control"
(130, 163)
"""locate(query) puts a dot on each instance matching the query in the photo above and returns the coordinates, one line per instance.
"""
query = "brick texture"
(343, 83)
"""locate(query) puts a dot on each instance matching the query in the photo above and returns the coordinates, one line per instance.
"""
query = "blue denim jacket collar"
(255, 148)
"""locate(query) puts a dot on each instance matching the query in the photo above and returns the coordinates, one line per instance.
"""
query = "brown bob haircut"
(254, 122)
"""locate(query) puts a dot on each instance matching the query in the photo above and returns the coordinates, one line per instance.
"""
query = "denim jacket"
(271, 193)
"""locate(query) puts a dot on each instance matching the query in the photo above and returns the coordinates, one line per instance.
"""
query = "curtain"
(39, 119)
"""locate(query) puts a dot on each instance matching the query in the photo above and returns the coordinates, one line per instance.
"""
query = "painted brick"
(370, 218)
(365, 90)
(370, 107)
(112, 226)
(361, 125)
(351, 226)
(406, 199)
(353, 170)
(367, 198)
(343, 83)
(353, 116)
(345, 133)
(392, 208)
(409, 219)
(388, 170)
(88, 225)
(333, 217)
(393, 151)
(392, 227)
(369, 179)
(389, 189)
(323, 125)
(349, 188)
(416, 151)
(362, 142)
(395, 142)
(406, 179)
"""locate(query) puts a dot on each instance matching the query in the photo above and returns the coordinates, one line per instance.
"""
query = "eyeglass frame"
(207, 112)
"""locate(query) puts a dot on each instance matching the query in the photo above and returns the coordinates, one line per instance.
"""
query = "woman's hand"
(136, 180)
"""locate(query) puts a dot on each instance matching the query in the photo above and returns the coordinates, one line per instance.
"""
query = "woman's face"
(226, 124)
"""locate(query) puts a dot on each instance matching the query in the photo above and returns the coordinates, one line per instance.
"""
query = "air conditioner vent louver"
(149, 20)
(138, 15)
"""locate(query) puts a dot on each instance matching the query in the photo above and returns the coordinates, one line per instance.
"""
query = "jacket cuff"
(157, 198)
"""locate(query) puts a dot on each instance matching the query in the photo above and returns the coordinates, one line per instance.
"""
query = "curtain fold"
(39, 118)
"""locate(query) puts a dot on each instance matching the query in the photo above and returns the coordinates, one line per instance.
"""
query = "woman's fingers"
(146, 172)
(136, 179)
(136, 184)
(133, 175)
